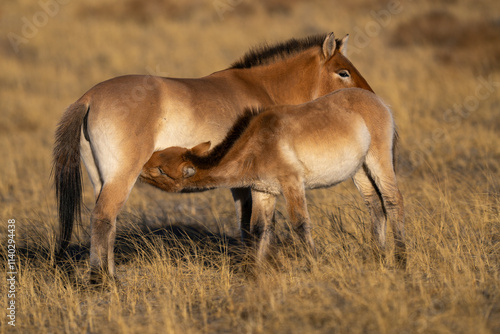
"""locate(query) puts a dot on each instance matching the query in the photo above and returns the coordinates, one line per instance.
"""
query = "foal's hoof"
(401, 261)
(102, 281)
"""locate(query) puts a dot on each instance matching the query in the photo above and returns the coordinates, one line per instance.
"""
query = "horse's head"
(337, 71)
(167, 169)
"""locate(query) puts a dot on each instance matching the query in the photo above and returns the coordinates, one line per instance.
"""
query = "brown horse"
(117, 125)
(287, 149)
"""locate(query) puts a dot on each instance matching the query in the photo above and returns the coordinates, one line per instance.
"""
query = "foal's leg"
(373, 201)
(262, 223)
(381, 169)
(295, 197)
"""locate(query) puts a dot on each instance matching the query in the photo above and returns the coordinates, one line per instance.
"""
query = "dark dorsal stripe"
(216, 154)
(267, 54)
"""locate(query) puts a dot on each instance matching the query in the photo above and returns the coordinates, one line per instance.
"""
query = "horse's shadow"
(178, 241)
(150, 237)
(138, 238)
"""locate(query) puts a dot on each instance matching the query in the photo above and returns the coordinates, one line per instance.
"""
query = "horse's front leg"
(295, 197)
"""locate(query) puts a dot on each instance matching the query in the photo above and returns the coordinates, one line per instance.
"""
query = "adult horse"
(115, 135)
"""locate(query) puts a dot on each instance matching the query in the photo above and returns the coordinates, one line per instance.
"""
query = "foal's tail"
(66, 171)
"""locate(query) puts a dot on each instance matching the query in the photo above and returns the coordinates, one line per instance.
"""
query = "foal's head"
(167, 169)
(337, 71)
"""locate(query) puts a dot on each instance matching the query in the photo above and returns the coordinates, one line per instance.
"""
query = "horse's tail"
(66, 171)
(395, 140)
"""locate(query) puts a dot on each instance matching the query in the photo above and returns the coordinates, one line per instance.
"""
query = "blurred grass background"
(437, 63)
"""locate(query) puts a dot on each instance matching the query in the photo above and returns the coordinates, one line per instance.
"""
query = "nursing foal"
(287, 149)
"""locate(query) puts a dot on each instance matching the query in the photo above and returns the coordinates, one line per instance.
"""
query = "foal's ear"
(343, 45)
(201, 148)
(188, 171)
(329, 46)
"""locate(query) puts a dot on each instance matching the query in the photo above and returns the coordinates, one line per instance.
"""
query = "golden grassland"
(435, 62)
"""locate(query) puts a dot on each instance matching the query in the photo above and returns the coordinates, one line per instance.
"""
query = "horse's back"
(356, 100)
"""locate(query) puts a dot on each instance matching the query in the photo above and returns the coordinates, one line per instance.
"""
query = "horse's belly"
(334, 153)
(336, 161)
(321, 173)
(184, 130)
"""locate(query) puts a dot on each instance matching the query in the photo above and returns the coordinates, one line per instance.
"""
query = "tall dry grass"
(179, 262)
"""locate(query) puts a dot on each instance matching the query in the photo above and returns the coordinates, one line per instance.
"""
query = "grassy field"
(437, 63)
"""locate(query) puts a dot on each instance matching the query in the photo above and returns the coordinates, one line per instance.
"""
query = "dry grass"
(179, 263)
(453, 39)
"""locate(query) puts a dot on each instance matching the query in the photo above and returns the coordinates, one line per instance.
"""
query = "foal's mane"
(267, 54)
(216, 154)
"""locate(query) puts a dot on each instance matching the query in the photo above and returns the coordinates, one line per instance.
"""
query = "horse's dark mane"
(216, 154)
(267, 54)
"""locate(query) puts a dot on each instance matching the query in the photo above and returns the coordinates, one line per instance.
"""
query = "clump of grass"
(141, 12)
(456, 41)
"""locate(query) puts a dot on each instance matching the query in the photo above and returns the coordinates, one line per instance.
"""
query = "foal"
(287, 149)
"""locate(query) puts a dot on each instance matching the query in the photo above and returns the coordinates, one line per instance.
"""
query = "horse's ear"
(329, 46)
(201, 148)
(188, 171)
(343, 45)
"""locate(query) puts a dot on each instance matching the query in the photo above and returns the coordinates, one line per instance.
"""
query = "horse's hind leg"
(119, 173)
(111, 199)
(373, 201)
(90, 165)
(381, 170)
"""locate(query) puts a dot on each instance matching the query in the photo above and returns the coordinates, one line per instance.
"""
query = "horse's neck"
(291, 81)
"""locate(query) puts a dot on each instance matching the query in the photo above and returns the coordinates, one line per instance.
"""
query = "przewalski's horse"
(115, 135)
(287, 149)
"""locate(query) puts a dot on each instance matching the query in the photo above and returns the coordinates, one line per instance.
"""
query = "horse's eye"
(162, 172)
(344, 73)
